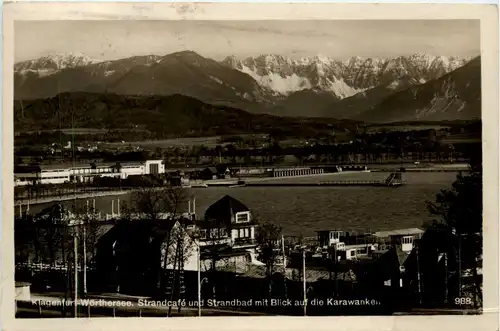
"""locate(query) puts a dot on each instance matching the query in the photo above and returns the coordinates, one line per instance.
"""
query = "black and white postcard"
(284, 164)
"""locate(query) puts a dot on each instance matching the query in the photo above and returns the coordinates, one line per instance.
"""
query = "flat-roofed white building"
(87, 173)
(154, 167)
(131, 169)
(59, 174)
(149, 167)
(41, 174)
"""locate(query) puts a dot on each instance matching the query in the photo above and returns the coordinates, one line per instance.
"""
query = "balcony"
(244, 242)
(215, 242)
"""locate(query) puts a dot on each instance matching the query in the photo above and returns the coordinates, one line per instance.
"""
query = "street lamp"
(75, 241)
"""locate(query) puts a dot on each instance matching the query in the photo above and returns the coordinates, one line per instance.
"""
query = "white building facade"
(27, 175)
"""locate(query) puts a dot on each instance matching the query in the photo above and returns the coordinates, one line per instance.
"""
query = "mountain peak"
(55, 61)
(187, 53)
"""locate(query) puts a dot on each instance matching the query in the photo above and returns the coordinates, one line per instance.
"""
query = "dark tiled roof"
(57, 211)
(224, 209)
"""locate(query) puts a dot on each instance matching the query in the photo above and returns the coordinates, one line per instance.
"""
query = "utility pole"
(336, 272)
(88, 220)
(199, 279)
(304, 280)
(75, 240)
(459, 265)
(85, 259)
(283, 248)
(418, 275)
(446, 278)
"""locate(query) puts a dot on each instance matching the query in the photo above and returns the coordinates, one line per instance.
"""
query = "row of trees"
(421, 144)
(451, 251)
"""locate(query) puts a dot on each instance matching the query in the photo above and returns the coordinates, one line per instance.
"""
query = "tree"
(232, 152)
(152, 203)
(216, 233)
(89, 231)
(458, 225)
(268, 238)
(158, 208)
(55, 244)
(175, 252)
(158, 152)
(218, 152)
(26, 239)
(274, 151)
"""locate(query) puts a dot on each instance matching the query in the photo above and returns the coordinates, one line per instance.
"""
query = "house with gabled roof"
(228, 222)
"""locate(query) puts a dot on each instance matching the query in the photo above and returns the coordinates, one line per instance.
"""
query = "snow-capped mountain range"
(346, 78)
(275, 84)
(52, 63)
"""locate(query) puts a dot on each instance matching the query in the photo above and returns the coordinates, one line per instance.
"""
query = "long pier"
(393, 180)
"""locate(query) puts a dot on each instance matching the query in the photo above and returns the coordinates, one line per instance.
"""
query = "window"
(154, 168)
(247, 232)
(407, 240)
(242, 217)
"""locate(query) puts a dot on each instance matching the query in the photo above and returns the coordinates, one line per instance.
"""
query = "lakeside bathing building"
(58, 174)
(86, 173)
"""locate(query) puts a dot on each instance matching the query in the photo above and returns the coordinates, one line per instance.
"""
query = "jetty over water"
(393, 180)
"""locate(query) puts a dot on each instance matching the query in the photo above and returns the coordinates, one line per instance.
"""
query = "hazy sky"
(107, 40)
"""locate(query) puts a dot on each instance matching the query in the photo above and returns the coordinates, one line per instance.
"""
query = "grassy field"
(81, 131)
(211, 141)
(404, 128)
(176, 142)
(76, 131)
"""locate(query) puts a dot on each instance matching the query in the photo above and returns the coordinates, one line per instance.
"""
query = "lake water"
(304, 210)
(308, 209)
